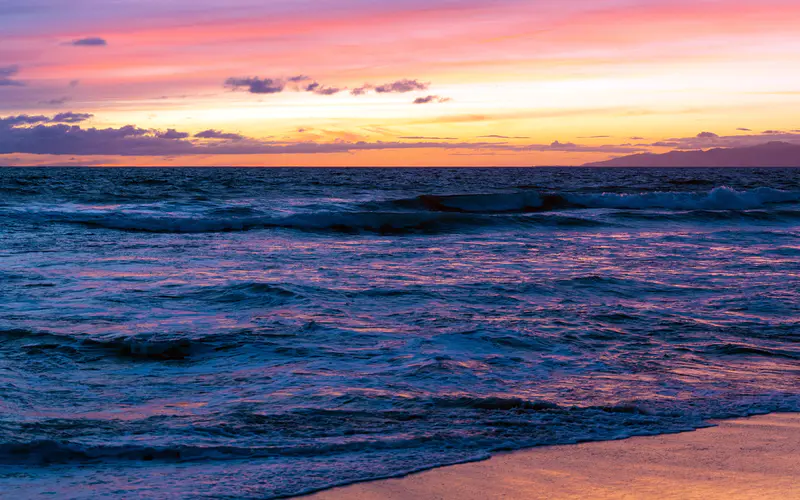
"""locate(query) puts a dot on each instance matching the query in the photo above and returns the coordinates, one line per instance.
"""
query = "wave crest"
(720, 198)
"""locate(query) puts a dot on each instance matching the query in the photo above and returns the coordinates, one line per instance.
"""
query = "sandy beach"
(754, 458)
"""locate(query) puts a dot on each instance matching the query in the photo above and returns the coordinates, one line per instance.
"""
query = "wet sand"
(755, 458)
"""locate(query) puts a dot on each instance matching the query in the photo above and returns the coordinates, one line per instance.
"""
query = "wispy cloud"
(500, 137)
(56, 102)
(426, 138)
(173, 134)
(402, 86)
(707, 135)
(69, 117)
(6, 76)
(256, 85)
(708, 140)
(431, 99)
(397, 87)
(89, 42)
(217, 134)
(569, 147)
(320, 89)
(303, 83)
(13, 121)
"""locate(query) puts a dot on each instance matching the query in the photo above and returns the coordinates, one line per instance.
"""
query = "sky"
(391, 83)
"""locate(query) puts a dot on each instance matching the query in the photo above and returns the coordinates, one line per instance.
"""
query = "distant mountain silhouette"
(771, 154)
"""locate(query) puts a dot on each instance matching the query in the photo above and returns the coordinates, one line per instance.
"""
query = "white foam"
(721, 198)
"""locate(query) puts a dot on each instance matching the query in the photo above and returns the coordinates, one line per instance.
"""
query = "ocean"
(261, 333)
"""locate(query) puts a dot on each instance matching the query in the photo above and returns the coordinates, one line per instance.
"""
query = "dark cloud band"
(431, 99)
(89, 42)
(59, 136)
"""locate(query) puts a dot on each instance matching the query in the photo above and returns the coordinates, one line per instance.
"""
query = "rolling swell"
(244, 294)
(143, 347)
(756, 215)
(749, 350)
(523, 202)
(386, 223)
(720, 198)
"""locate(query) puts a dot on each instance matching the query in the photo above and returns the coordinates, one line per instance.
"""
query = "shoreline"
(743, 458)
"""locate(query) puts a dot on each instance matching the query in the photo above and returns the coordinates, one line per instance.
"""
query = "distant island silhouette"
(771, 154)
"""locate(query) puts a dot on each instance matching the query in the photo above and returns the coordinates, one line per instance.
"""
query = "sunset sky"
(374, 82)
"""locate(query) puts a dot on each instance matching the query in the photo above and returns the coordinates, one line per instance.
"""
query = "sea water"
(258, 333)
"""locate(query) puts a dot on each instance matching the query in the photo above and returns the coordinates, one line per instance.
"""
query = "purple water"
(256, 333)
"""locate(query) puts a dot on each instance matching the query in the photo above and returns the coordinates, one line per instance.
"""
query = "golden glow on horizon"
(589, 76)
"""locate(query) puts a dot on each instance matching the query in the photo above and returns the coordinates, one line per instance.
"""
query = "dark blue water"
(252, 333)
